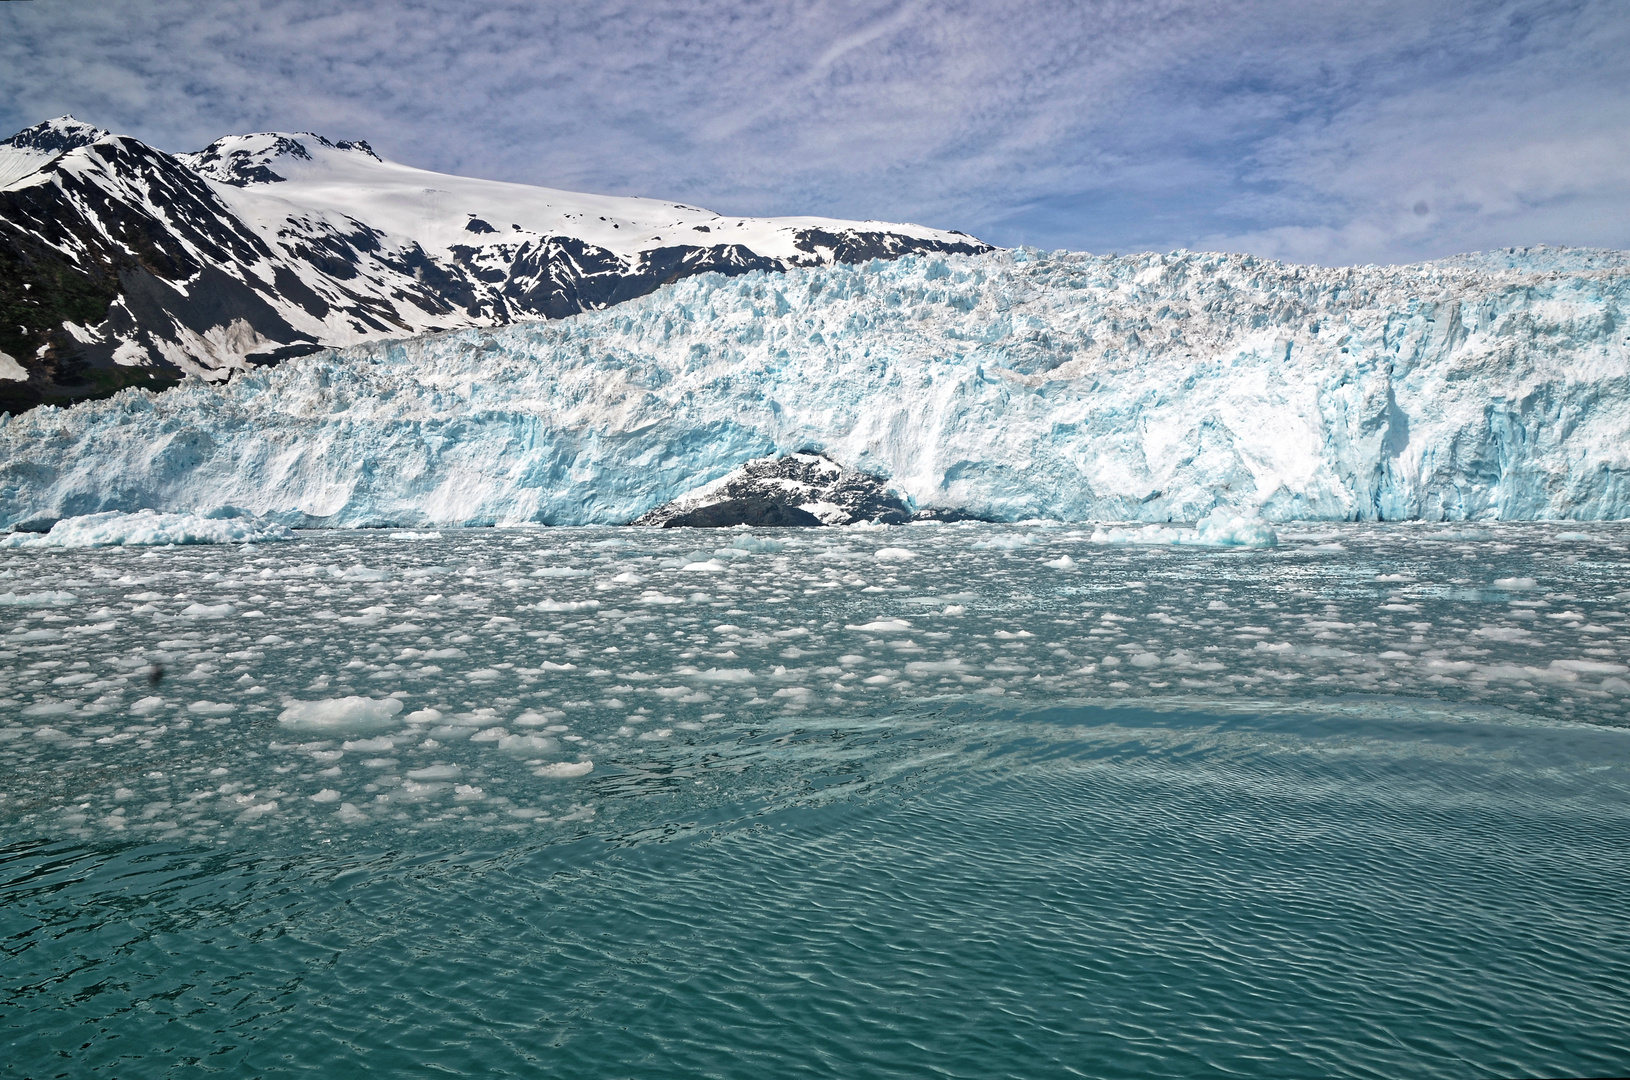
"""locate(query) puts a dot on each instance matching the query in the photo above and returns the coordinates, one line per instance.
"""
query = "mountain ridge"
(123, 265)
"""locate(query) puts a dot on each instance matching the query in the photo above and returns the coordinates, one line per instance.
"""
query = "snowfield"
(1014, 384)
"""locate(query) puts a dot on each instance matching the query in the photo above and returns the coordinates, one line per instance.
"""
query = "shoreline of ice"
(148, 528)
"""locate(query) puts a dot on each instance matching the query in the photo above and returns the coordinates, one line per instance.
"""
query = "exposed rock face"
(796, 490)
(762, 513)
(948, 515)
(122, 265)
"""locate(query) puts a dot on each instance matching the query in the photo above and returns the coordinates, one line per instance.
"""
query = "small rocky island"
(799, 490)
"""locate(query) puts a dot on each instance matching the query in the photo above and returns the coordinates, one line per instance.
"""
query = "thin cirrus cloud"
(1375, 130)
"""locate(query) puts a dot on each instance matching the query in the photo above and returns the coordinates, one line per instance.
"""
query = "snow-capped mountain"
(1008, 385)
(124, 265)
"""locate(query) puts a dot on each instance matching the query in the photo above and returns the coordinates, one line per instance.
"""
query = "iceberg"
(1219, 529)
(114, 528)
(1009, 385)
(348, 714)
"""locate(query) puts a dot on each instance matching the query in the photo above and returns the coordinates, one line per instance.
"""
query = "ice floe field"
(508, 730)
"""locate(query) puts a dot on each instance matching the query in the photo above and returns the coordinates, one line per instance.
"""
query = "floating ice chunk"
(882, 626)
(659, 598)
(373, 746)
(1223, 528)
(757, 543)
(435, 772)
(147, 705)
(492, 734)
(709, 566)
(1308, 652)
(1590, 667)
(410, 535)
(628, 578)
(954, 609)
(349, 814)
(936, 667)
(526, 745)
(327, 795)
(1502, 633)
(467, 792)
(48, 598)
(1516, 584)
(256, 810)
(1063, 562)
(423, 716)
(1573, 536)
(1003, 543)
(207, 611)
(1220, 529)
(212, 708)
(341, 714)
(358, 572)
(724, 675)
(894, 554)
(561, 572)
(115, 528)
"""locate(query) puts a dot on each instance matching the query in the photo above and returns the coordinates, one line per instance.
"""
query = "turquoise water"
(1353, 806)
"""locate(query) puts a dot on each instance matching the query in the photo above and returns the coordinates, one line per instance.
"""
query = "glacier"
(1013, 384)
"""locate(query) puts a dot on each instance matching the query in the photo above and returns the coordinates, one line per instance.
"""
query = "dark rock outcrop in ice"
(796, 490)
(759, 512)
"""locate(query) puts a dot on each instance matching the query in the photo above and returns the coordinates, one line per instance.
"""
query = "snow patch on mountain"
(1148, 388)
(31, 149)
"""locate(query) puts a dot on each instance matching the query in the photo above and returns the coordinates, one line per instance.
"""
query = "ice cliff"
(1011, 384)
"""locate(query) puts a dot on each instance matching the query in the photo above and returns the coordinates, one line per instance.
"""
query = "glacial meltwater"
(957, 800)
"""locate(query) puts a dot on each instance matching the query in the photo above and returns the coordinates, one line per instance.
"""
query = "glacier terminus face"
(1013, 385)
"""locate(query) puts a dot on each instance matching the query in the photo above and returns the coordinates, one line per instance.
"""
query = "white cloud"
(1309, 131)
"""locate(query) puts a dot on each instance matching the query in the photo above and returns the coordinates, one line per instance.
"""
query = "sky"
(1363, 131)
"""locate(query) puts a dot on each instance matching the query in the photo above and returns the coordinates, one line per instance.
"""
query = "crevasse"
(1013, 384)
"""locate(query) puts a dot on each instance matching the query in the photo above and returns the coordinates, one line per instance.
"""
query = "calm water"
(928, 801)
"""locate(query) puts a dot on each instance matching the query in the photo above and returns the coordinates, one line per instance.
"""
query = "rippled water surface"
(960, 801)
